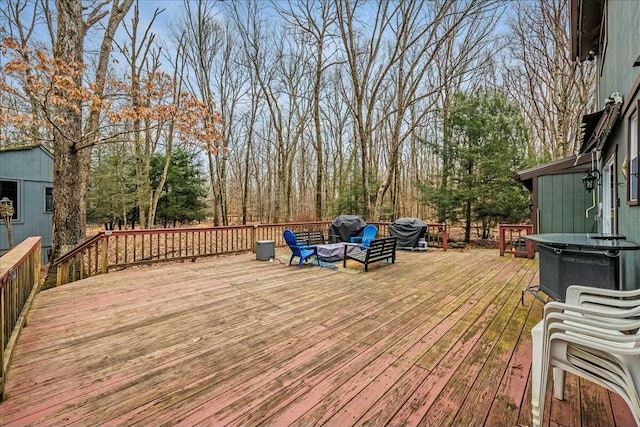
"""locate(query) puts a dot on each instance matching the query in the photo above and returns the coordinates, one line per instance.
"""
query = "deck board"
(438, 338)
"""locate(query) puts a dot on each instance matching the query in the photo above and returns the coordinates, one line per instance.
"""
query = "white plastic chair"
(594, 335)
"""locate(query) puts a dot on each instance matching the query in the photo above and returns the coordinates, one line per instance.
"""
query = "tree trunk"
(214, 189)
(247, 157)
(316, 119)
(70, 166)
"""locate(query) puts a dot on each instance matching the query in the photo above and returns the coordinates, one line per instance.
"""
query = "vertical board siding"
(562, 201)
(33, 169)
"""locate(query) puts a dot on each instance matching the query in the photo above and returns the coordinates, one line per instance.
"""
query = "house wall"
(33, 171)
(619, 75)
(562, 201)
(622, 48)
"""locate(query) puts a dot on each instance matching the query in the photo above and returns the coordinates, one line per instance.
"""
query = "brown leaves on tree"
(52, 84)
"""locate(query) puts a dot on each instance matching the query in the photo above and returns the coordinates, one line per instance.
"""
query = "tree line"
(299, 110)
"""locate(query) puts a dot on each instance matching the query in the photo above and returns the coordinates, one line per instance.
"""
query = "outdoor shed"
(26, 178)
(559, 202)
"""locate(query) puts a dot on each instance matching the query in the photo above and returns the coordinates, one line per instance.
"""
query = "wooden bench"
(310, 238)
(379, 250)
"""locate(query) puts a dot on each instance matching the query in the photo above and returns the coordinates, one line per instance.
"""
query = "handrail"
(117, 249)
(19, 282)
(81, 246)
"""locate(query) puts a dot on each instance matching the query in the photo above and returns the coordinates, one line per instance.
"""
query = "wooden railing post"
(254, 238)
(501, 239)
(104, 255)
(445, 236)
(61, 274)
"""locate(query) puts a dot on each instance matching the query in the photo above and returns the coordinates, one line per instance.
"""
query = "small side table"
(265, 250)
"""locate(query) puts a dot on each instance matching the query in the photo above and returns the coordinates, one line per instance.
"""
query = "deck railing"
(19, 281)
(438, 235)
(511, 241)
(111, 250)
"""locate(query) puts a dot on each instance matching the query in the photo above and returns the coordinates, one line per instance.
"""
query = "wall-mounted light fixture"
(590, 180)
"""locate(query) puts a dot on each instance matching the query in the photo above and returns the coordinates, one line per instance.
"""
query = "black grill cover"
(407, 231)
(344, 227)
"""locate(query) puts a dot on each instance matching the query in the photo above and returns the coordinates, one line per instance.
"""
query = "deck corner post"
(254, 240)
(445, 236)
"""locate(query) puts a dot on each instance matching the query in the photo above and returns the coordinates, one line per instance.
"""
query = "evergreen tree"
(489, 140)
(184, 192)
(111, 194)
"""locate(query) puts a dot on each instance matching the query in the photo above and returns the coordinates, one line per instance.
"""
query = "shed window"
(9, 189)
(634, 177)
(48, 200)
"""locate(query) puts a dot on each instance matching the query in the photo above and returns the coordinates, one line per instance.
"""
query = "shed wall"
(563, 201)
(32, 169)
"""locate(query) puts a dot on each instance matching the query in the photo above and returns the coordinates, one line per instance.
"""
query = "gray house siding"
(617, 74)
(622, 48)
(32, 170)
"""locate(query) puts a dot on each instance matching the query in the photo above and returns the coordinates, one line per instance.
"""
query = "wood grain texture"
(439, 338)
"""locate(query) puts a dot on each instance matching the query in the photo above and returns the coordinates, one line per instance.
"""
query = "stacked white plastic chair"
(594, 335)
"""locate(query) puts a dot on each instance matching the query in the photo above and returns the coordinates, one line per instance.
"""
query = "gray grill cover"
(408, 231)
(344, 227)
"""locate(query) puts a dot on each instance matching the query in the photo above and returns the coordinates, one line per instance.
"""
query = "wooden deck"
(437, 339)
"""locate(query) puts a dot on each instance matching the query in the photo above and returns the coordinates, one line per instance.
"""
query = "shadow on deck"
(439, 338)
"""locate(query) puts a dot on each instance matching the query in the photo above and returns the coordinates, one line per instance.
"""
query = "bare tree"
(366, 74)
(553, 90)
(20, 18)
(274, 62)
(143, 64)
(206, 39)
(314, 19)
(388, 76)
(423, 31)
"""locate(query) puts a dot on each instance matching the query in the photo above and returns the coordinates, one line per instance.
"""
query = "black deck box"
(560, 269)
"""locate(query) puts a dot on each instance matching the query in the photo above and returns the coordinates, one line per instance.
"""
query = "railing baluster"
(95, 266)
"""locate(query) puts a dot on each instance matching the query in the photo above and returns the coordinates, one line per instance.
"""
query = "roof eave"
(557, 166)
(585, 20)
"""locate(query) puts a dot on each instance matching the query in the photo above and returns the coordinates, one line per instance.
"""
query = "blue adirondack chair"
(368, 234)
(298, 249)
